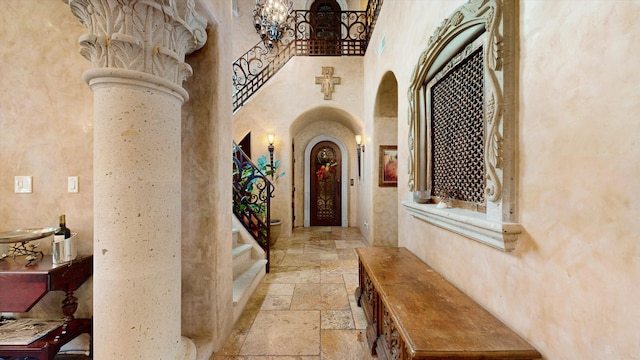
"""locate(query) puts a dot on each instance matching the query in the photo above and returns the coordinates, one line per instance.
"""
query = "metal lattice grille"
(457, 122)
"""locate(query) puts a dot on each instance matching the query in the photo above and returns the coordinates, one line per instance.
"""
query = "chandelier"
(270, 19)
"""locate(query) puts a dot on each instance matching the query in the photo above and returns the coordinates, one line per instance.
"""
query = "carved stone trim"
(145, 36)
(497, 234)
(495, 21)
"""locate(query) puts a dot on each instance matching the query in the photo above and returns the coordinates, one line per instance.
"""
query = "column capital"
(149, 36)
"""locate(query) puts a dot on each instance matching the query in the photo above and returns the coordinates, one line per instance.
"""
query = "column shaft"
(137, 205)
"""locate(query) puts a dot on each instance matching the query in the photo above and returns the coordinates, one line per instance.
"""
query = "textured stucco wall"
(570, 287)
(207, 274)
(46, 117)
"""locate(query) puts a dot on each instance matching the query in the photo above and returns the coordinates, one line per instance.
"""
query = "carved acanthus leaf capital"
(141, 35)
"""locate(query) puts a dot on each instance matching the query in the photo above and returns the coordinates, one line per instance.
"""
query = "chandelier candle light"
(270, 18)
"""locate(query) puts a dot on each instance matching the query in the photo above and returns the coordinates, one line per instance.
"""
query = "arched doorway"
(325, 184)
(308, 178)
(325, 28)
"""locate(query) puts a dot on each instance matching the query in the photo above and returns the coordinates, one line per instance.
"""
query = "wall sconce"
(360, 148)
(270, 139)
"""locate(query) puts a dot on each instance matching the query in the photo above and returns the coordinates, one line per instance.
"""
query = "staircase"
(249, 267)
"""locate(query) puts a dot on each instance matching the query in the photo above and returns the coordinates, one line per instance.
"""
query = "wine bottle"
(63, 248)
(63, 231)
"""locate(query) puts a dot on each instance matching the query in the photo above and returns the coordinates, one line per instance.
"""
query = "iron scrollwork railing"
(373, 10)
(252, 193)
(328, 33)
(255, 68)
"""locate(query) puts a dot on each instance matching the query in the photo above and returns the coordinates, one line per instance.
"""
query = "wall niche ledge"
(471, 224)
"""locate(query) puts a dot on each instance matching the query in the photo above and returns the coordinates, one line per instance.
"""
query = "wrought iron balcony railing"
(322, 33)
(310, 33)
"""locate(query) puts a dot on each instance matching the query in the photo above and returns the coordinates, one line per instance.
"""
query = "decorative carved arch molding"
(493, 26)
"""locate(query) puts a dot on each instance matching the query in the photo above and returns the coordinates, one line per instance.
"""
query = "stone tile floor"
(305, 308)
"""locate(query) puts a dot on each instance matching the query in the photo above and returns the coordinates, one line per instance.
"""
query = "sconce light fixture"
(360, 148)
(270, 139)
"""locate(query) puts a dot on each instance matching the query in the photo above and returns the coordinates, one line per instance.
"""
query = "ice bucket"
(65, 250)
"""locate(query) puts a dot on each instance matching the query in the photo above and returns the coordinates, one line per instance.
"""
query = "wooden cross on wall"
(327, 81)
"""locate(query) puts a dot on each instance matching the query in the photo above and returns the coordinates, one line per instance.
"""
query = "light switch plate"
(23, 184)
(72, 184)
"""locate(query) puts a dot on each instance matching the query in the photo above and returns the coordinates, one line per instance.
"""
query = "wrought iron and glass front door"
(325, 185)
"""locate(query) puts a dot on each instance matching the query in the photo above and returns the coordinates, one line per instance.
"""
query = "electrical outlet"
(23, 184)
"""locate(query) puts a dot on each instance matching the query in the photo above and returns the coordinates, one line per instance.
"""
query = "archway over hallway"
(310, 128)
(384, 202)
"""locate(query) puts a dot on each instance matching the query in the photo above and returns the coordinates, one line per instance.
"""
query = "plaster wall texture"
(570, 287)
(46, 117)
(207, 273)
(384, 210)
(283, 107)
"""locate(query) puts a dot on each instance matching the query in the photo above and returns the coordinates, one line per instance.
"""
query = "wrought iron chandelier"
(270, 19)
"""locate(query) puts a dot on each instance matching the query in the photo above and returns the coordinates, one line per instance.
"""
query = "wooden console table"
(22, 287)
(414, 313)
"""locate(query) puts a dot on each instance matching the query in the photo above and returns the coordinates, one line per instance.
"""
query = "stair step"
(245, 284)
(241, 259)
(245, 281)
(235, 236)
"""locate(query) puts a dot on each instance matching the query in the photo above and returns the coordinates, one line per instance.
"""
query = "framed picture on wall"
(388, 171)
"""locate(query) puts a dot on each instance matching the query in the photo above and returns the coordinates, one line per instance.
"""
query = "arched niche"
(384, 199)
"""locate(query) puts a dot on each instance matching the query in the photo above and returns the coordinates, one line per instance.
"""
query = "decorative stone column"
(137, 48)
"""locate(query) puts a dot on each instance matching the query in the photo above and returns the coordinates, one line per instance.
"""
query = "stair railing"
(255, 68)
(252, 193)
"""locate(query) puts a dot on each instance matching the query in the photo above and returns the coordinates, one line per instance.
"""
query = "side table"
(21, 287)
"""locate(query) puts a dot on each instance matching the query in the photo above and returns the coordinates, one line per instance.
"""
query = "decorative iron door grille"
(455, 98)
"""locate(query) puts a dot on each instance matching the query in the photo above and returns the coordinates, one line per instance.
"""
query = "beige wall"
(207, 275)
(571, 286)
(46, 127)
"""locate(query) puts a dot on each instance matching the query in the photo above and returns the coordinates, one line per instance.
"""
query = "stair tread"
(236, 251)
(244, 280)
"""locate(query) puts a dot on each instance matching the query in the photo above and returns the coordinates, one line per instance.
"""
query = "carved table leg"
(69, 307)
